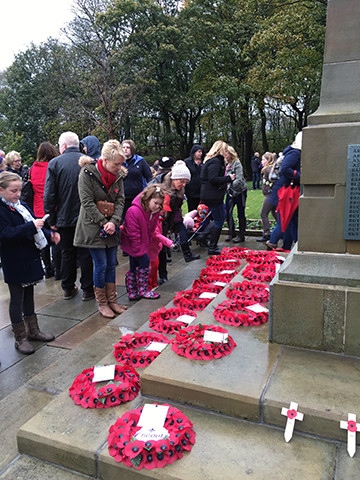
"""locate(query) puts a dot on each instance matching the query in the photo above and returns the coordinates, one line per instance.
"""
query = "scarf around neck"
(107, 178)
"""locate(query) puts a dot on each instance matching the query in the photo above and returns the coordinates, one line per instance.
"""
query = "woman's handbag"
(106, 208)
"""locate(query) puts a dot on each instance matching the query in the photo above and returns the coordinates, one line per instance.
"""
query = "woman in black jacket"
(214, 183)
(22, 237)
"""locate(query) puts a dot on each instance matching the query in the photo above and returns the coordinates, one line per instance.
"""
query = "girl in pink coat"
(139, 227)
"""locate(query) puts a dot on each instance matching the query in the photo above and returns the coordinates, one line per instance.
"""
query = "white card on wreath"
(185, 318)
(208, 295)
(257, 308)
(156, 346)
(103, 373)
(223, 272)
(215, 337)
(220, 284)
(153, 416)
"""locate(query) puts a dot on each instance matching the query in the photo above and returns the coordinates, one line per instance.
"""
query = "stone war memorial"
(316, 294)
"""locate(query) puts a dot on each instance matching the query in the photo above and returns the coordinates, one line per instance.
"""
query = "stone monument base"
(315, 302)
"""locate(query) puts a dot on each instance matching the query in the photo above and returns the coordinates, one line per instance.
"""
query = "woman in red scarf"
(97, 231)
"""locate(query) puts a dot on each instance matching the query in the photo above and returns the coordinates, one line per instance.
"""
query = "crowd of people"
(88, 199)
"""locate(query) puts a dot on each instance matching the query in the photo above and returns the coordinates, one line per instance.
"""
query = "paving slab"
(34, 469)
(16, 409)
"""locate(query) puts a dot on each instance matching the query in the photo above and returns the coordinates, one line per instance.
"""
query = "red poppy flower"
(291, 414)
(351, 426)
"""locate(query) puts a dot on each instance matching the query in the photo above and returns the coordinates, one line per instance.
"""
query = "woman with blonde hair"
(214, 183)
(236, 195)
(267, 161)
(14, 165)
(99, 222)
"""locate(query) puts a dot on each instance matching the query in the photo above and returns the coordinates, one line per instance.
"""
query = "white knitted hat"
(180, 171)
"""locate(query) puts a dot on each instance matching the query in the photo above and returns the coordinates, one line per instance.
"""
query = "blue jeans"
(104, 265)
(219, 215)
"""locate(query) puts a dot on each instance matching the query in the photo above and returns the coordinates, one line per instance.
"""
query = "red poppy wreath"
(221, 263)
(125, 448)
(190, 342)
(259, 272)
(247, 290)
(190, 299)
(236, 313)
(131, 349)
(123, 388)
(208, 286)
(164, 320)
(216, 275)
(234, 252)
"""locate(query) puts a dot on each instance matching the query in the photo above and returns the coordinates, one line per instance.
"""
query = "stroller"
(199, 225)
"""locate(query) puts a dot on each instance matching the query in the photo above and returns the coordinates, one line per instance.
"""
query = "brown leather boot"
(21, 340)
(33, 330)
(102, 301)
(111, 298)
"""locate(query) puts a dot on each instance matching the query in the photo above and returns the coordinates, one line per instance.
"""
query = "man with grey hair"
(61, 201)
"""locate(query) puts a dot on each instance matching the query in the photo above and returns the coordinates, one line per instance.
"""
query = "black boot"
(188, 255)
(242, 228)
(214, 238)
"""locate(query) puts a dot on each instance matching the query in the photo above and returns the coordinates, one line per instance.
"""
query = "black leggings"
(21, 302)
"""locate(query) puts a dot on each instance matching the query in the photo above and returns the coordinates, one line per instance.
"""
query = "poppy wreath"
(219, 263)
(261, 273)
(207, 286)
(246, 290)
(213, 275)
(125, 448)
(234, 252)
(189, 342)
(263, 257)
(235, 313)
(123, 388)
(125, 350)
(164, 320)
(189, 299)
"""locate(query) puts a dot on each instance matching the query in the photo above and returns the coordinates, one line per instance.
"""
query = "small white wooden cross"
(352, 427)
(292, 414)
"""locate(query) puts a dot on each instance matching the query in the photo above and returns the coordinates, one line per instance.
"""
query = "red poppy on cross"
(292, 414)
(352, 427)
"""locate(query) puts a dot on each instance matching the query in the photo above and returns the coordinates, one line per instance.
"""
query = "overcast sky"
(26, 21)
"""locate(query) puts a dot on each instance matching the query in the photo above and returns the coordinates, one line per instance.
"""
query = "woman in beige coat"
(97, 231)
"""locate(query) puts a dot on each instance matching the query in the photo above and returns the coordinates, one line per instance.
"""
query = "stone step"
(227, 448)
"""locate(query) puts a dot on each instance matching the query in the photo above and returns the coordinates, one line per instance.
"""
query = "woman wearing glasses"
(13, 164)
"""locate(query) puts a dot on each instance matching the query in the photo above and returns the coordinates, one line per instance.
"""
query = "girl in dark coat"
(214, 183)
(21, 238)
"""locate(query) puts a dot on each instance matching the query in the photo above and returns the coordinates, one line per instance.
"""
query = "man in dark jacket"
(194, 164)
(256, 168)
(61, 201)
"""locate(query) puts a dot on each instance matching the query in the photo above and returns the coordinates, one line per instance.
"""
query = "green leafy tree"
(287, 53)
